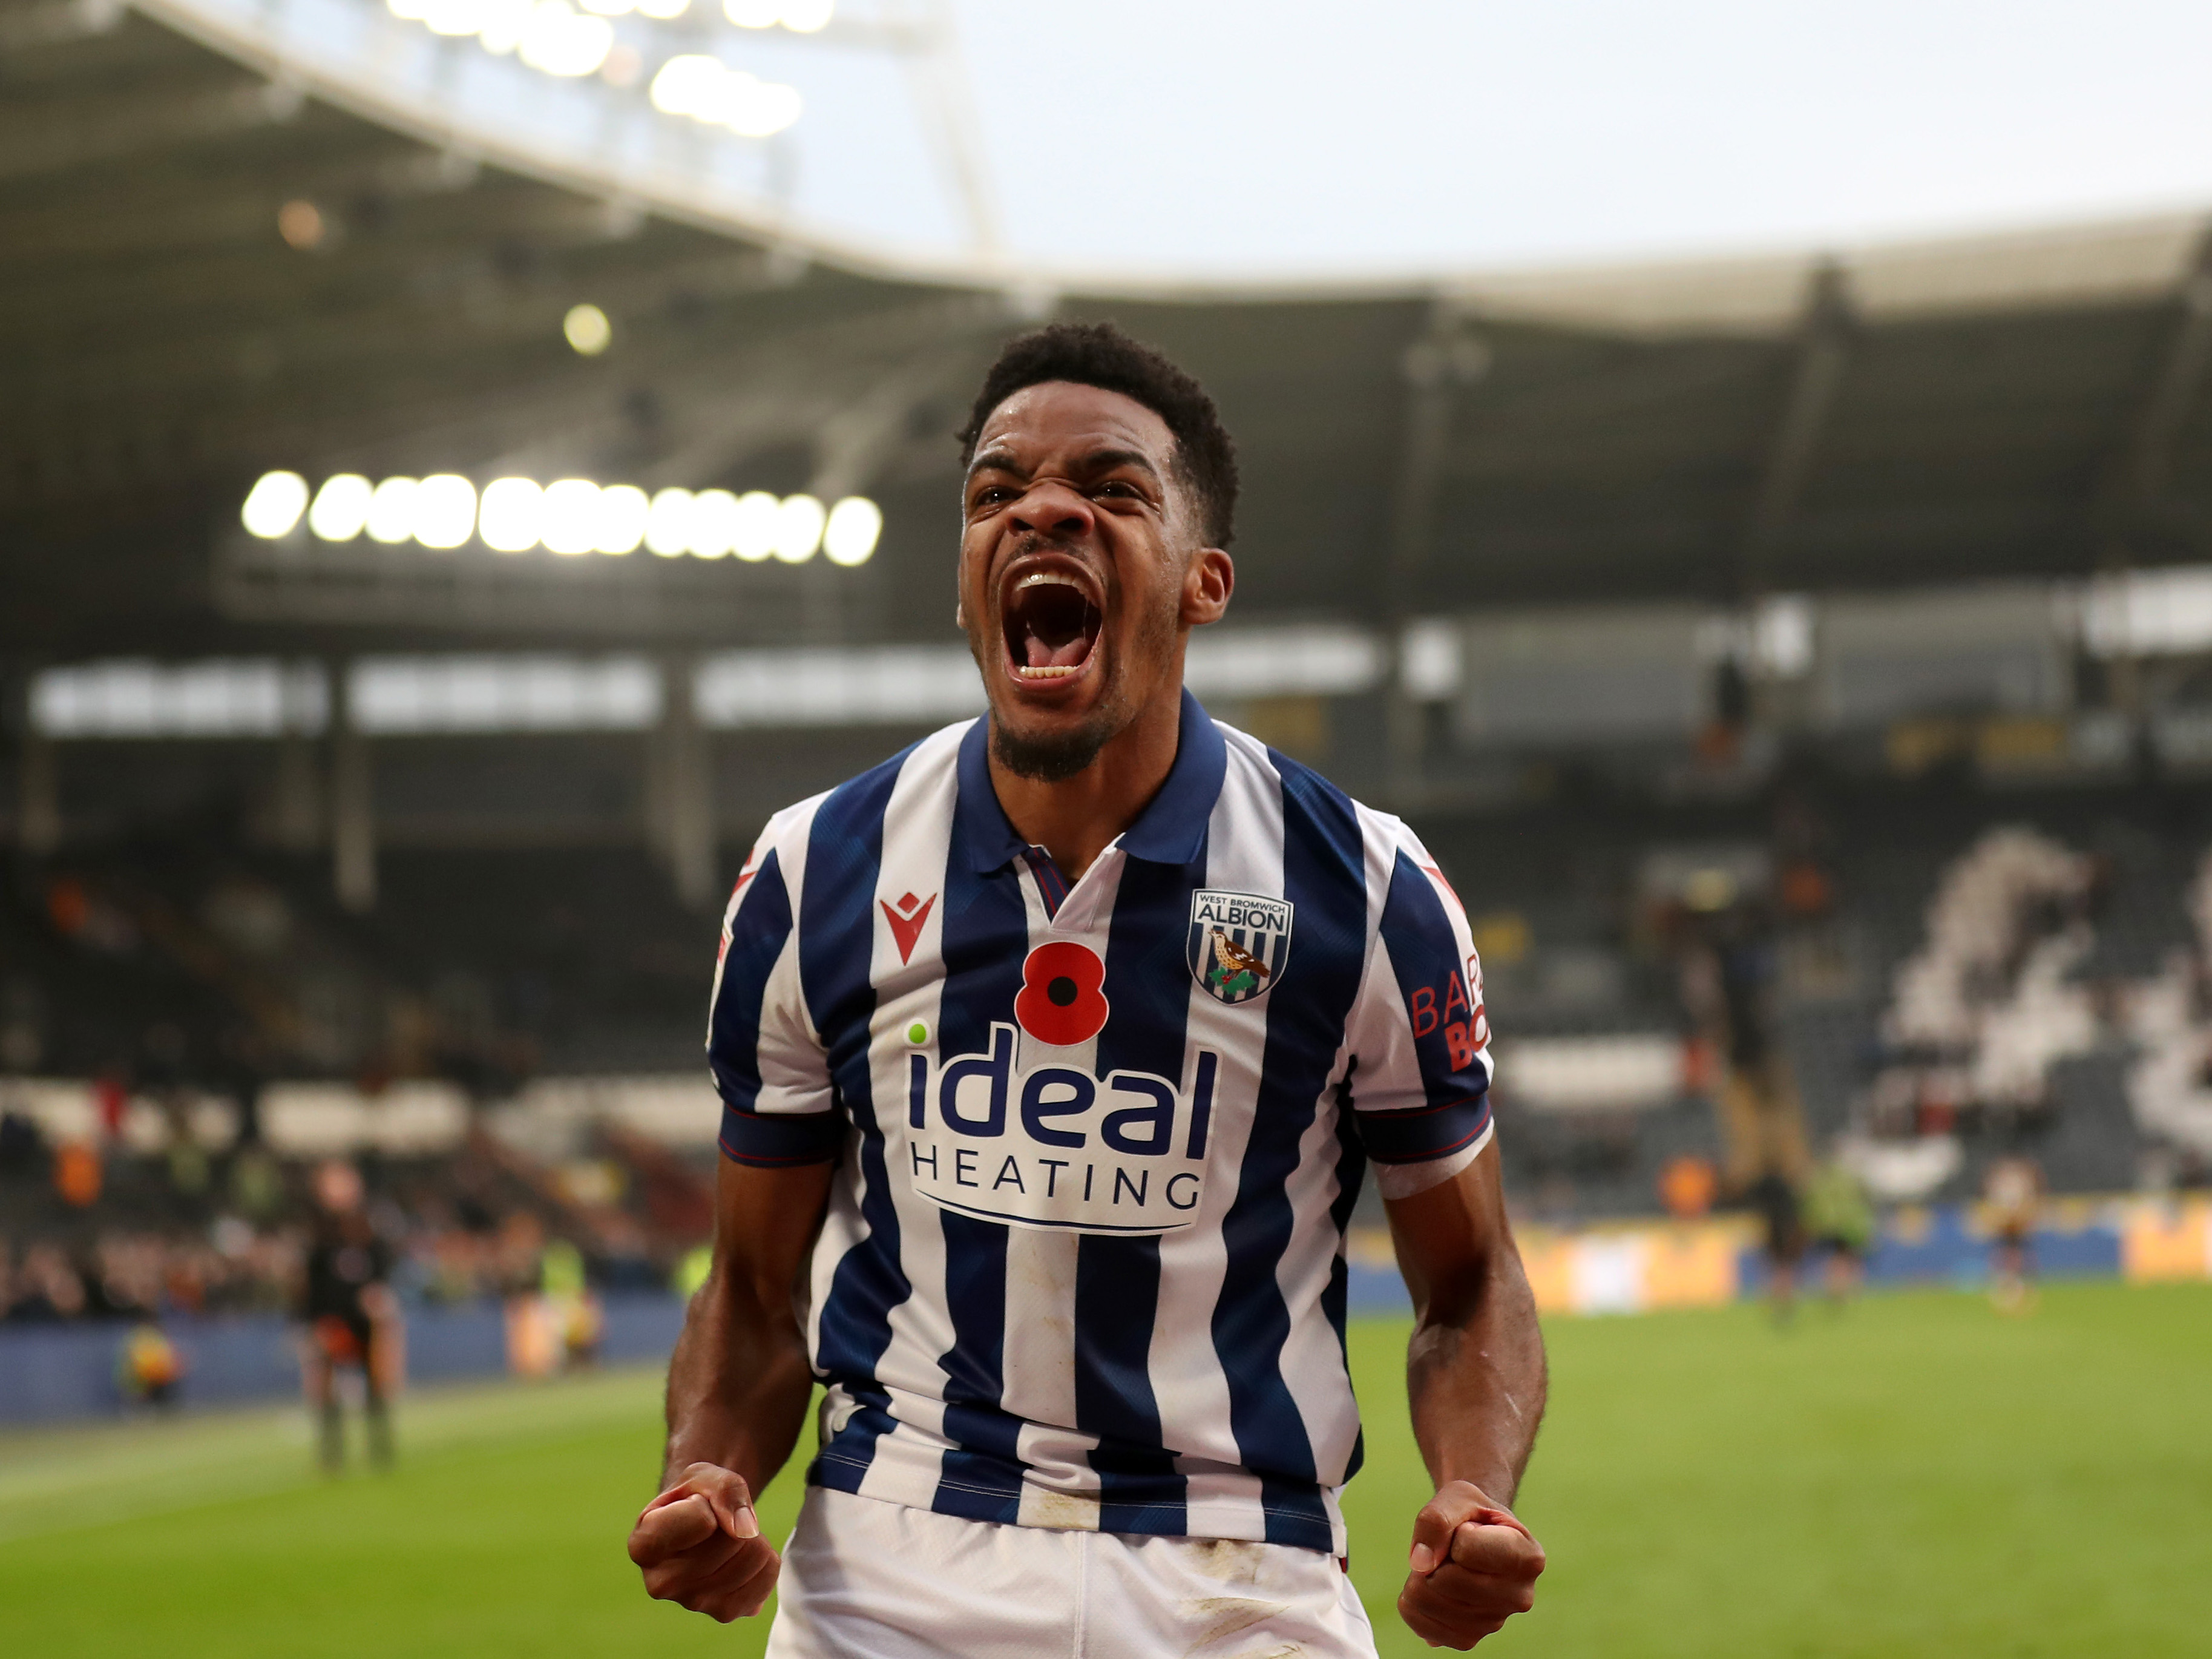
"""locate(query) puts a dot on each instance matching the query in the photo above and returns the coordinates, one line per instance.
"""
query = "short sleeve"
(778, 1107)
(1419, 1033)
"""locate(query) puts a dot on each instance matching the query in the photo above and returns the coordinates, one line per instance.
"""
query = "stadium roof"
(1999, 406)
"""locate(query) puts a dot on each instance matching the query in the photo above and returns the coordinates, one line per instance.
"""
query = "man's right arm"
(737, 1390)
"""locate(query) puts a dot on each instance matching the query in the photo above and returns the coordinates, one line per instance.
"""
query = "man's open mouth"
(1051, 625)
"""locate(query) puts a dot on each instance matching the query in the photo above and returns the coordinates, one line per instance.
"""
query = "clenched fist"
(700, 1545)
(1474, 1566)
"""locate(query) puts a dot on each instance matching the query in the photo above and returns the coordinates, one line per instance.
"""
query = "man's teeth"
(1046, 579)
(1047, 673)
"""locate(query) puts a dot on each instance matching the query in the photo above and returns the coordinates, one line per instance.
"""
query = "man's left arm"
(1475, 1379)
(1419, 1082)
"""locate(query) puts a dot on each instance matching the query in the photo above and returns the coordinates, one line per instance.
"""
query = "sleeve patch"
(1443, 1015)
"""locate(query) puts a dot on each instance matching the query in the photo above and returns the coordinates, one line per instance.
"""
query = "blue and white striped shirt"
(1097, 1144)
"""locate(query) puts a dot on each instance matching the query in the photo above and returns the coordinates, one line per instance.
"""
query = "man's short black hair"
(1101, 355)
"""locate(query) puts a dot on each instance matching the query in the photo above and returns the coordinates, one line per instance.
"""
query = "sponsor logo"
(906, 918)
(1239, 943)
(1055, 1147)
(1447, 1008)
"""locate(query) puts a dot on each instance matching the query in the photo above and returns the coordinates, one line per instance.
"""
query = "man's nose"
(1049, 507)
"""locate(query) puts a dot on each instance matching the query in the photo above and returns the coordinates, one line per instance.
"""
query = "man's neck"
(1077, 818)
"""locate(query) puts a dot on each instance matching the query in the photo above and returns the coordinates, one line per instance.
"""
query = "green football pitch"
(1915, 1475)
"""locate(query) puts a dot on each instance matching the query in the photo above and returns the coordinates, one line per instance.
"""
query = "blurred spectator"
(47, 1288)
(256, 1183)
(520, 1261)
(188, 1160)
(1726, 953)
(1687, 1187)
(2013, 1194)
(149, 1368)
(77, 1174)
(1776, 1202)
(1840, 1220)
(575, 1314)
(351, 1316)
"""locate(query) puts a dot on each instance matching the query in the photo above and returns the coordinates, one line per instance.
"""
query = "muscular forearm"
(1475, 1371)
(737, 1385)
(1474, 1376)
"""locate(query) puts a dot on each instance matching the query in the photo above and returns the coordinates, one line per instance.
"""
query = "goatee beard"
(1052, 758)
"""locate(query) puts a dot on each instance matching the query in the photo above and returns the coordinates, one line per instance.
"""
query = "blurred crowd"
(90, 1231)
(234, 1267)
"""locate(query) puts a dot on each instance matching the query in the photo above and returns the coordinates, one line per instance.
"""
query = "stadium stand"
(1817, 643)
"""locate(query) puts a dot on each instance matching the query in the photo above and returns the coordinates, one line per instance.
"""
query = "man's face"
(1080, 568)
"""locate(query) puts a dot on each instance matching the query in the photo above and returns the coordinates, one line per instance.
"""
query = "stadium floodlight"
(807, 16)
(563, 41)
(506, 21)
(611, 7)
(753, 14)
(621, 518)
(706, 89)
(274, 504)
(570, 516)
(850, 539)
(799, 528)
(391, 512)
(753, 108)
(571, 521)
(443, 515)
(714, 520)
(686, 84)
(509, 516)
(759, 522)
(668, 524)
(587, 330)
(412, 11)
(455, 18)
(340, 508)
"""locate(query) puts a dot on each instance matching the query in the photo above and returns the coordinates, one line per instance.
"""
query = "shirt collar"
(1169, 831)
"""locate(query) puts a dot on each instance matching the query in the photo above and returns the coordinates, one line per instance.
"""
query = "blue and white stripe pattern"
(1084, 1261)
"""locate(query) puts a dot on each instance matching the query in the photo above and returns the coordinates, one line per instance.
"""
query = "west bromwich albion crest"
(1240, 943)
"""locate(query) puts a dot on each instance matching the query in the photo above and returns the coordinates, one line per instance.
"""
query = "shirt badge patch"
(1239, 943)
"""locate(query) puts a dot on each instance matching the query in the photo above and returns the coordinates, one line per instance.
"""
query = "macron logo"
(906, 919)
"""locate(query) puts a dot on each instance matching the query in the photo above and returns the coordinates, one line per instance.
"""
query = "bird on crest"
(1238, 969)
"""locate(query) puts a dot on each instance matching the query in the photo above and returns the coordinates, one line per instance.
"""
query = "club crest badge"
(1240, 943)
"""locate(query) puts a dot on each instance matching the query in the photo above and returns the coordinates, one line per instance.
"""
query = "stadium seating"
(1981, 973)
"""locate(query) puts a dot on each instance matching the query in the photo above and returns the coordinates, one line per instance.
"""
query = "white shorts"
(864, 1579)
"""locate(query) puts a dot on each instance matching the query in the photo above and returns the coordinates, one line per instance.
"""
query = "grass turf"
(1915, 1476)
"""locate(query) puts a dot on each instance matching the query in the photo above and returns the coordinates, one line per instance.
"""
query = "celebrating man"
(1053, 1052)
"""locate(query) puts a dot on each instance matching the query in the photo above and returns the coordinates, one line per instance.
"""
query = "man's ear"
(960, 614)
(1208, 581)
